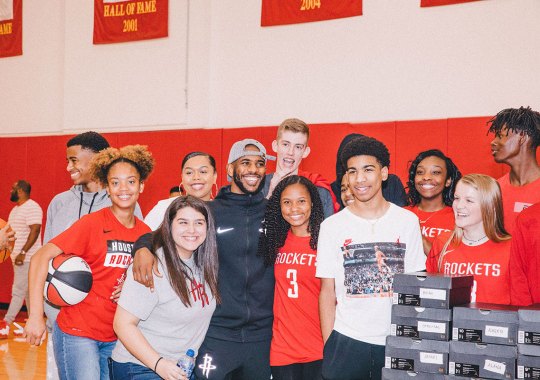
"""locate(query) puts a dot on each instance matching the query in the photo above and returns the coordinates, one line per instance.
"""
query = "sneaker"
(4, 330)
(18, 331)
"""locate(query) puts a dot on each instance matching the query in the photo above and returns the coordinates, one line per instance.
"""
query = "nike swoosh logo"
(106, 231)
(223, 230)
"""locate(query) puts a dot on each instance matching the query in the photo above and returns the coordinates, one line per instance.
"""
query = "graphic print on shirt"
(370, 267)
(118, 254)
(198, 292)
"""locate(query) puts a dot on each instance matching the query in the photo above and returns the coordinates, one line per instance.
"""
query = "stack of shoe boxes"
(484, 338)
(421, 324)
(528, 362)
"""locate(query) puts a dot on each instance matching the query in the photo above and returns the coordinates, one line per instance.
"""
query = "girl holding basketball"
(432, 181)
(155, 328)
(83, 334)
(292, 220)
(479, 245)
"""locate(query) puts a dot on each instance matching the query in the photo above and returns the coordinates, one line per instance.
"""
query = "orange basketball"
(5, 253)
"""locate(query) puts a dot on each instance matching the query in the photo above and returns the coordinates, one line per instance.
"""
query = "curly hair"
(275, 227)
(366, 146)
(517, 120)
(136, 155)
(452, 173)
(89, 140)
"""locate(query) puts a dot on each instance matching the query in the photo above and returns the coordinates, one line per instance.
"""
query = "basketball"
(69, 280)
(5, 253)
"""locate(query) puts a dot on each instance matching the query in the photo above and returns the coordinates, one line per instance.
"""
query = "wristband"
(155, 367)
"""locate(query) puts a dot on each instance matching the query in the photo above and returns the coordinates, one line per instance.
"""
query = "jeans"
(80, 358)
(131, 371)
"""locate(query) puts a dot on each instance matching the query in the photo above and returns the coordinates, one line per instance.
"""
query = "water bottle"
(187, 362)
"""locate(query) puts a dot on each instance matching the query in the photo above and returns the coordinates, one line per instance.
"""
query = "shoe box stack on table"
(485, 338)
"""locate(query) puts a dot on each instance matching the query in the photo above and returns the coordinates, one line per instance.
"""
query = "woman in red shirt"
(479, 245)
(432, 181)
(83, 334)
(292, 220)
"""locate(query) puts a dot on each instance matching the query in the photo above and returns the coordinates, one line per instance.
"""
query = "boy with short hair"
(359, 251)
(291, 146)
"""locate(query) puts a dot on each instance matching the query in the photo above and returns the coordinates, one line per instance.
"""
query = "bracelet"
(155, 367)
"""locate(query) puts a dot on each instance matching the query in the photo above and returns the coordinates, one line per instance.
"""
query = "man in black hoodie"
(237, 344)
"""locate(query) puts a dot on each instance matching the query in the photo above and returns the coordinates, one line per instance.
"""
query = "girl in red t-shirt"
(479, 245)
(83, 335)
(432, 180)
(292, 220)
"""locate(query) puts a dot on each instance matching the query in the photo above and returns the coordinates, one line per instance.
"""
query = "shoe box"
(421, 322)
(395, 374)
(417, 355)
(485, 323)
(432, 290)
(528, 367)
(490, 361)
(529, 330)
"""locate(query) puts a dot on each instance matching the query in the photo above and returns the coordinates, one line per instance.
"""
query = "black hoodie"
(392, 188)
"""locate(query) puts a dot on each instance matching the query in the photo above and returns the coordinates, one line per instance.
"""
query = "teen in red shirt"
(292, 219)
(84, 336)
(432, 181)
(479, 244)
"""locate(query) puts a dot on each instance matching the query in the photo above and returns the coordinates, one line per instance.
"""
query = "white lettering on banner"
(496, 331)
(432, 231)
(474, 269)
(432, 327)
(433, 294)
(296, 258)
(493, 366)
(431, 358)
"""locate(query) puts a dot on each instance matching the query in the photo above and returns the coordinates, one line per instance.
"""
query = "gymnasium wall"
(41, 160)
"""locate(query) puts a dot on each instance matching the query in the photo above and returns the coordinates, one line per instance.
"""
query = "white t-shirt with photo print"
(362, 256)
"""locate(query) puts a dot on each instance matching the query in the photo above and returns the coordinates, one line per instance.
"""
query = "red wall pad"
(469, 146)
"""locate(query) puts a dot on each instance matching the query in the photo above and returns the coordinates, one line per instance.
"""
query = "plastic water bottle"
(187, 362)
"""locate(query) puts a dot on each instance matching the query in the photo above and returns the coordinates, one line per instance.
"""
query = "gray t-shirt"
(170, 327)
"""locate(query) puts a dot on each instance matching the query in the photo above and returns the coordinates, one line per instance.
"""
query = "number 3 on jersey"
(292, 292)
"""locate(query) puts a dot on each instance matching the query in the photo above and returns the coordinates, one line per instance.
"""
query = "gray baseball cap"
(238, 150)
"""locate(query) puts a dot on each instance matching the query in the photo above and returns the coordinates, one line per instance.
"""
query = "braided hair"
(518, 120)
(276, 228)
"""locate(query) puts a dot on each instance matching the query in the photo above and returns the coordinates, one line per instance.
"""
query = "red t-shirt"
(525, 258)
(296, 334)
(488, 263)
(105, 244)
(432, 224)
(516, 199)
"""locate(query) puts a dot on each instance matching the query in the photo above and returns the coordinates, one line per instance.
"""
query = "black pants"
(345, 358)
(298, 371)
(223, 360)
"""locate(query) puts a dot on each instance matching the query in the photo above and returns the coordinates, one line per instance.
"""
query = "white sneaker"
(4, 330)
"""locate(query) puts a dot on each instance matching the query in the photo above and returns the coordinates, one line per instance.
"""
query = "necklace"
(432, 214)
(473, 242)
(373, 222)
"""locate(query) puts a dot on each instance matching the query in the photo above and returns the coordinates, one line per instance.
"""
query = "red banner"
(434, 3)
(130, 20)
(283, 12)
(10, 28)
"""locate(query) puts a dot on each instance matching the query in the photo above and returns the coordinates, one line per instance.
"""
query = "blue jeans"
(130, 371)
(80, 358)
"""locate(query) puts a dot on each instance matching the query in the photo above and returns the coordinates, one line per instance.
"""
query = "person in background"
(291, 147)
(7, 235)
(525, 258)
(479, 245)
(174, 192)
(517, 135)
(155, 328)
(25, 219)
(392, 188)
(291, 224)
(83, 334)
(199, 176)
(432, 181)
(347, 196)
